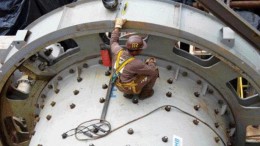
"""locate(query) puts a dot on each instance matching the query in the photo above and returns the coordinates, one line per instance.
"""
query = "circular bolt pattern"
(102, 100)
(130, 131)
(199, 82)
(197, 107)
(59, 78)
(71, 71)
(216, 125)
(50, 86)
(104, 86)
(108, 73)
(185, 74)
(165, 139)
(169, 67)
(53, 103)
(72, 106)
(169, 94)
(167, 108)
(135, 100)
(48, 117)
(85, 65)
(79, 79)
(216, 139)
(170, 81)
(196, 94)
(196, 122)
(76, 92)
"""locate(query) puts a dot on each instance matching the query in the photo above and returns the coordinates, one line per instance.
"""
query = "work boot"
(129, 96)
(146, 94)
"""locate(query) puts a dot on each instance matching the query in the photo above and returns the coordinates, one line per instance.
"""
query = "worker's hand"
(150, 60)
(119, 22)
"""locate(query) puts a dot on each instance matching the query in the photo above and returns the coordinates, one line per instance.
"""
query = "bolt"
(37, 119)
(50, 86)
(53, 103)
(59, 78)
(169, 94)
(42, 66)
(79, 79)
(170, 80)
(64, 135)
(108, 73)
(196, 94)
(199, 82)
(185, 74)
(228, 131)
(196, 122)
(130, 131)
(76, 92)
(197, 107)
(135, 100)
(210, 91)
(43, 96)
(169, 67)
(71, 71)
(85, 65)
(42, 106)
(216, 111)
(39, 145)
(91, 144)
(102, 100)
(48, 52)
(72, 106)
(57, 91)
(167, 108)
(33, 58)
(165, 139)
(216, 139)
(48, 117)
(216, 125)
(100, 61)
(104, 86)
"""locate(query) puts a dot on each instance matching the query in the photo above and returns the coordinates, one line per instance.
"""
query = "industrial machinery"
(52, 95)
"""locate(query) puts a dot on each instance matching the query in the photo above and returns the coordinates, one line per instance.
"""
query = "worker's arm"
(140, 68)
(115, 35)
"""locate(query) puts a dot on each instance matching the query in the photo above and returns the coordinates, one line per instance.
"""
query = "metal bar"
(233, 20)
(106, 104)
(245, 4)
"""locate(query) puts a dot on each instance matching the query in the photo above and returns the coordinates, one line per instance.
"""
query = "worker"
(133, 76)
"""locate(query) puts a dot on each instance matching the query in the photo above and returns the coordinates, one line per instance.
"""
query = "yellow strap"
(118, 68)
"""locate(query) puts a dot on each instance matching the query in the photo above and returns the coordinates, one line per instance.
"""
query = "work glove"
(119, 22)
(150, 60)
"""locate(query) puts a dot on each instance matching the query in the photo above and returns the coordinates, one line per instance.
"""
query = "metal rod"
(245, 4)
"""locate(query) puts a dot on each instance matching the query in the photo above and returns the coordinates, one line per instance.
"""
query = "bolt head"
(79, 79)
(72, 106)
(71, 71)
(170, 81)
(197, 107)
(76, 92)
(169, 67)
(169, 94)
(216, 139)
(108, 73)
(57, 91)
(167, 108)
(196, 122)
(199, 82)
(130, 131)
(210, 91)
(216, 111)
(59, 78)
(91, 144)
(102, 100)
(50, 86)
(135, 100)
(196, 94)
(48, 117)
(216, 125)
(104, 86)
(85, 65)
(185, 74)
(53, 103)
(165, 139)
